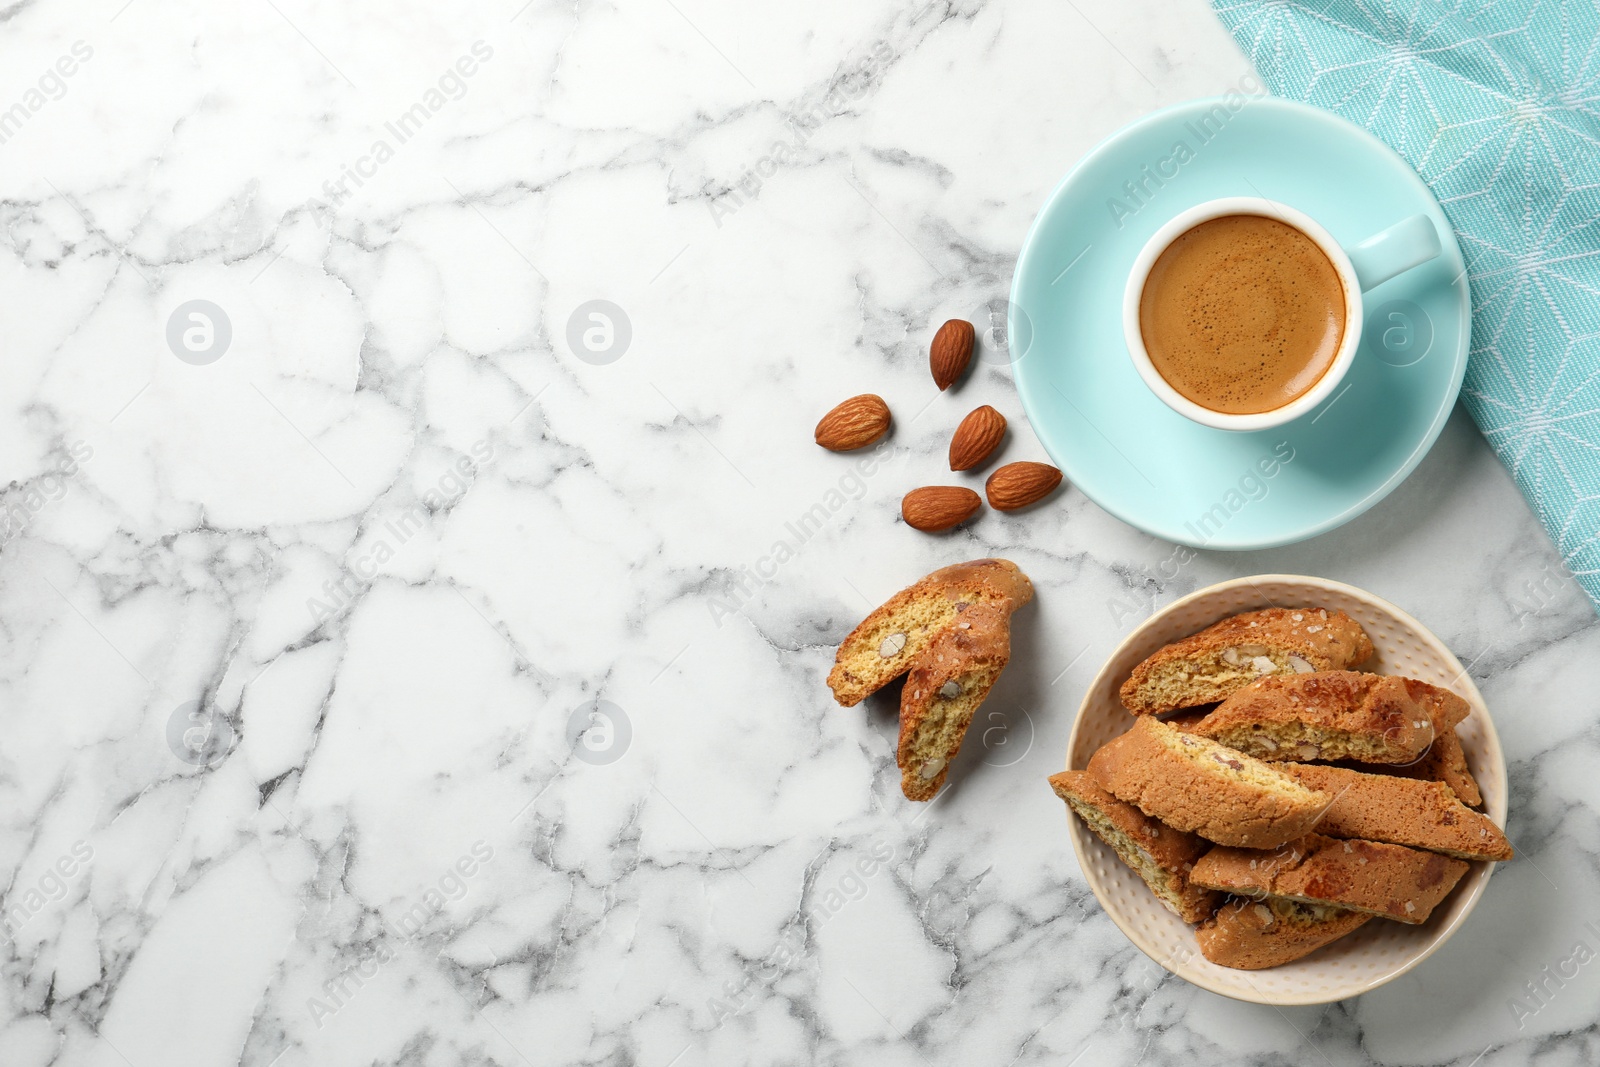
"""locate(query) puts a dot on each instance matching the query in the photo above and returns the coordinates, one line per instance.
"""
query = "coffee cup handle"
(1408, 243)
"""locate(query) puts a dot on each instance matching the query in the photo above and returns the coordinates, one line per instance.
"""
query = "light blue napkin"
(1497, 106)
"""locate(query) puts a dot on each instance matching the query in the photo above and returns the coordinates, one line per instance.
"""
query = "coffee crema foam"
(1242, 314)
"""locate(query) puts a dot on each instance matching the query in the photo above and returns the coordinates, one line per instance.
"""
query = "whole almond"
(939, 507)
(950, 352)
(855, 423)
(976, 438)
(1016, 485)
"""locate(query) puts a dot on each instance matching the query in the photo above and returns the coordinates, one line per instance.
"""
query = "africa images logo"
(450, 85)
(803, 124)
(1138, 191)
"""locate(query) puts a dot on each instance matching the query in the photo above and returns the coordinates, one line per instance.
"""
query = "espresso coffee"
(1242, 314)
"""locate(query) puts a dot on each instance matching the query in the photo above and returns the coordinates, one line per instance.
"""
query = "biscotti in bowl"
(1269, 925)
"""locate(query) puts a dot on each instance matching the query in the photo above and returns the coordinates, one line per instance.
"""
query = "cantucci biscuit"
(1443, 762)
(1401, 811)
(946, 684)
(1196, 785)
(1334, 715)
(1252, 935)
(1222, 659)
(890, 640)
(1155, 851)
(1390, 881)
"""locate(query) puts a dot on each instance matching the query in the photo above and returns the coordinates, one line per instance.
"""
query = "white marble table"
(299, 597)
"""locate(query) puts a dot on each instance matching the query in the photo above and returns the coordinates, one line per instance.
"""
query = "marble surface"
(297, 627)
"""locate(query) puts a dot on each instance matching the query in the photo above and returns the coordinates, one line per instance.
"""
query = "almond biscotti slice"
(1401, 811)
(1390, 881)
(1214, 663)
(1252, 935)
(946, 684)
(1157, 853)
(1443, 762)
(889, 640)
(1333, 715)
(1198, 786)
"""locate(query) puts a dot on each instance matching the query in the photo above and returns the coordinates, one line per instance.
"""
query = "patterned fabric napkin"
(1495, 105)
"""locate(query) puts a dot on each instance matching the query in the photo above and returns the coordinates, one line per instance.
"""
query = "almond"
(950, 352)
(976, 438)
(938, 507)
(855, 423)
(1016, 485)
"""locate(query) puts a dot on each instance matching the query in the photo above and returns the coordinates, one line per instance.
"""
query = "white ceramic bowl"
(1379, 951)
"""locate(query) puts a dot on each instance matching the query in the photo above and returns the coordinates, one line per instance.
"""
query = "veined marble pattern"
(294, 628)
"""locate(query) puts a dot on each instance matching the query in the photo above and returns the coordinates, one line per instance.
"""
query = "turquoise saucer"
(1148, 465)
